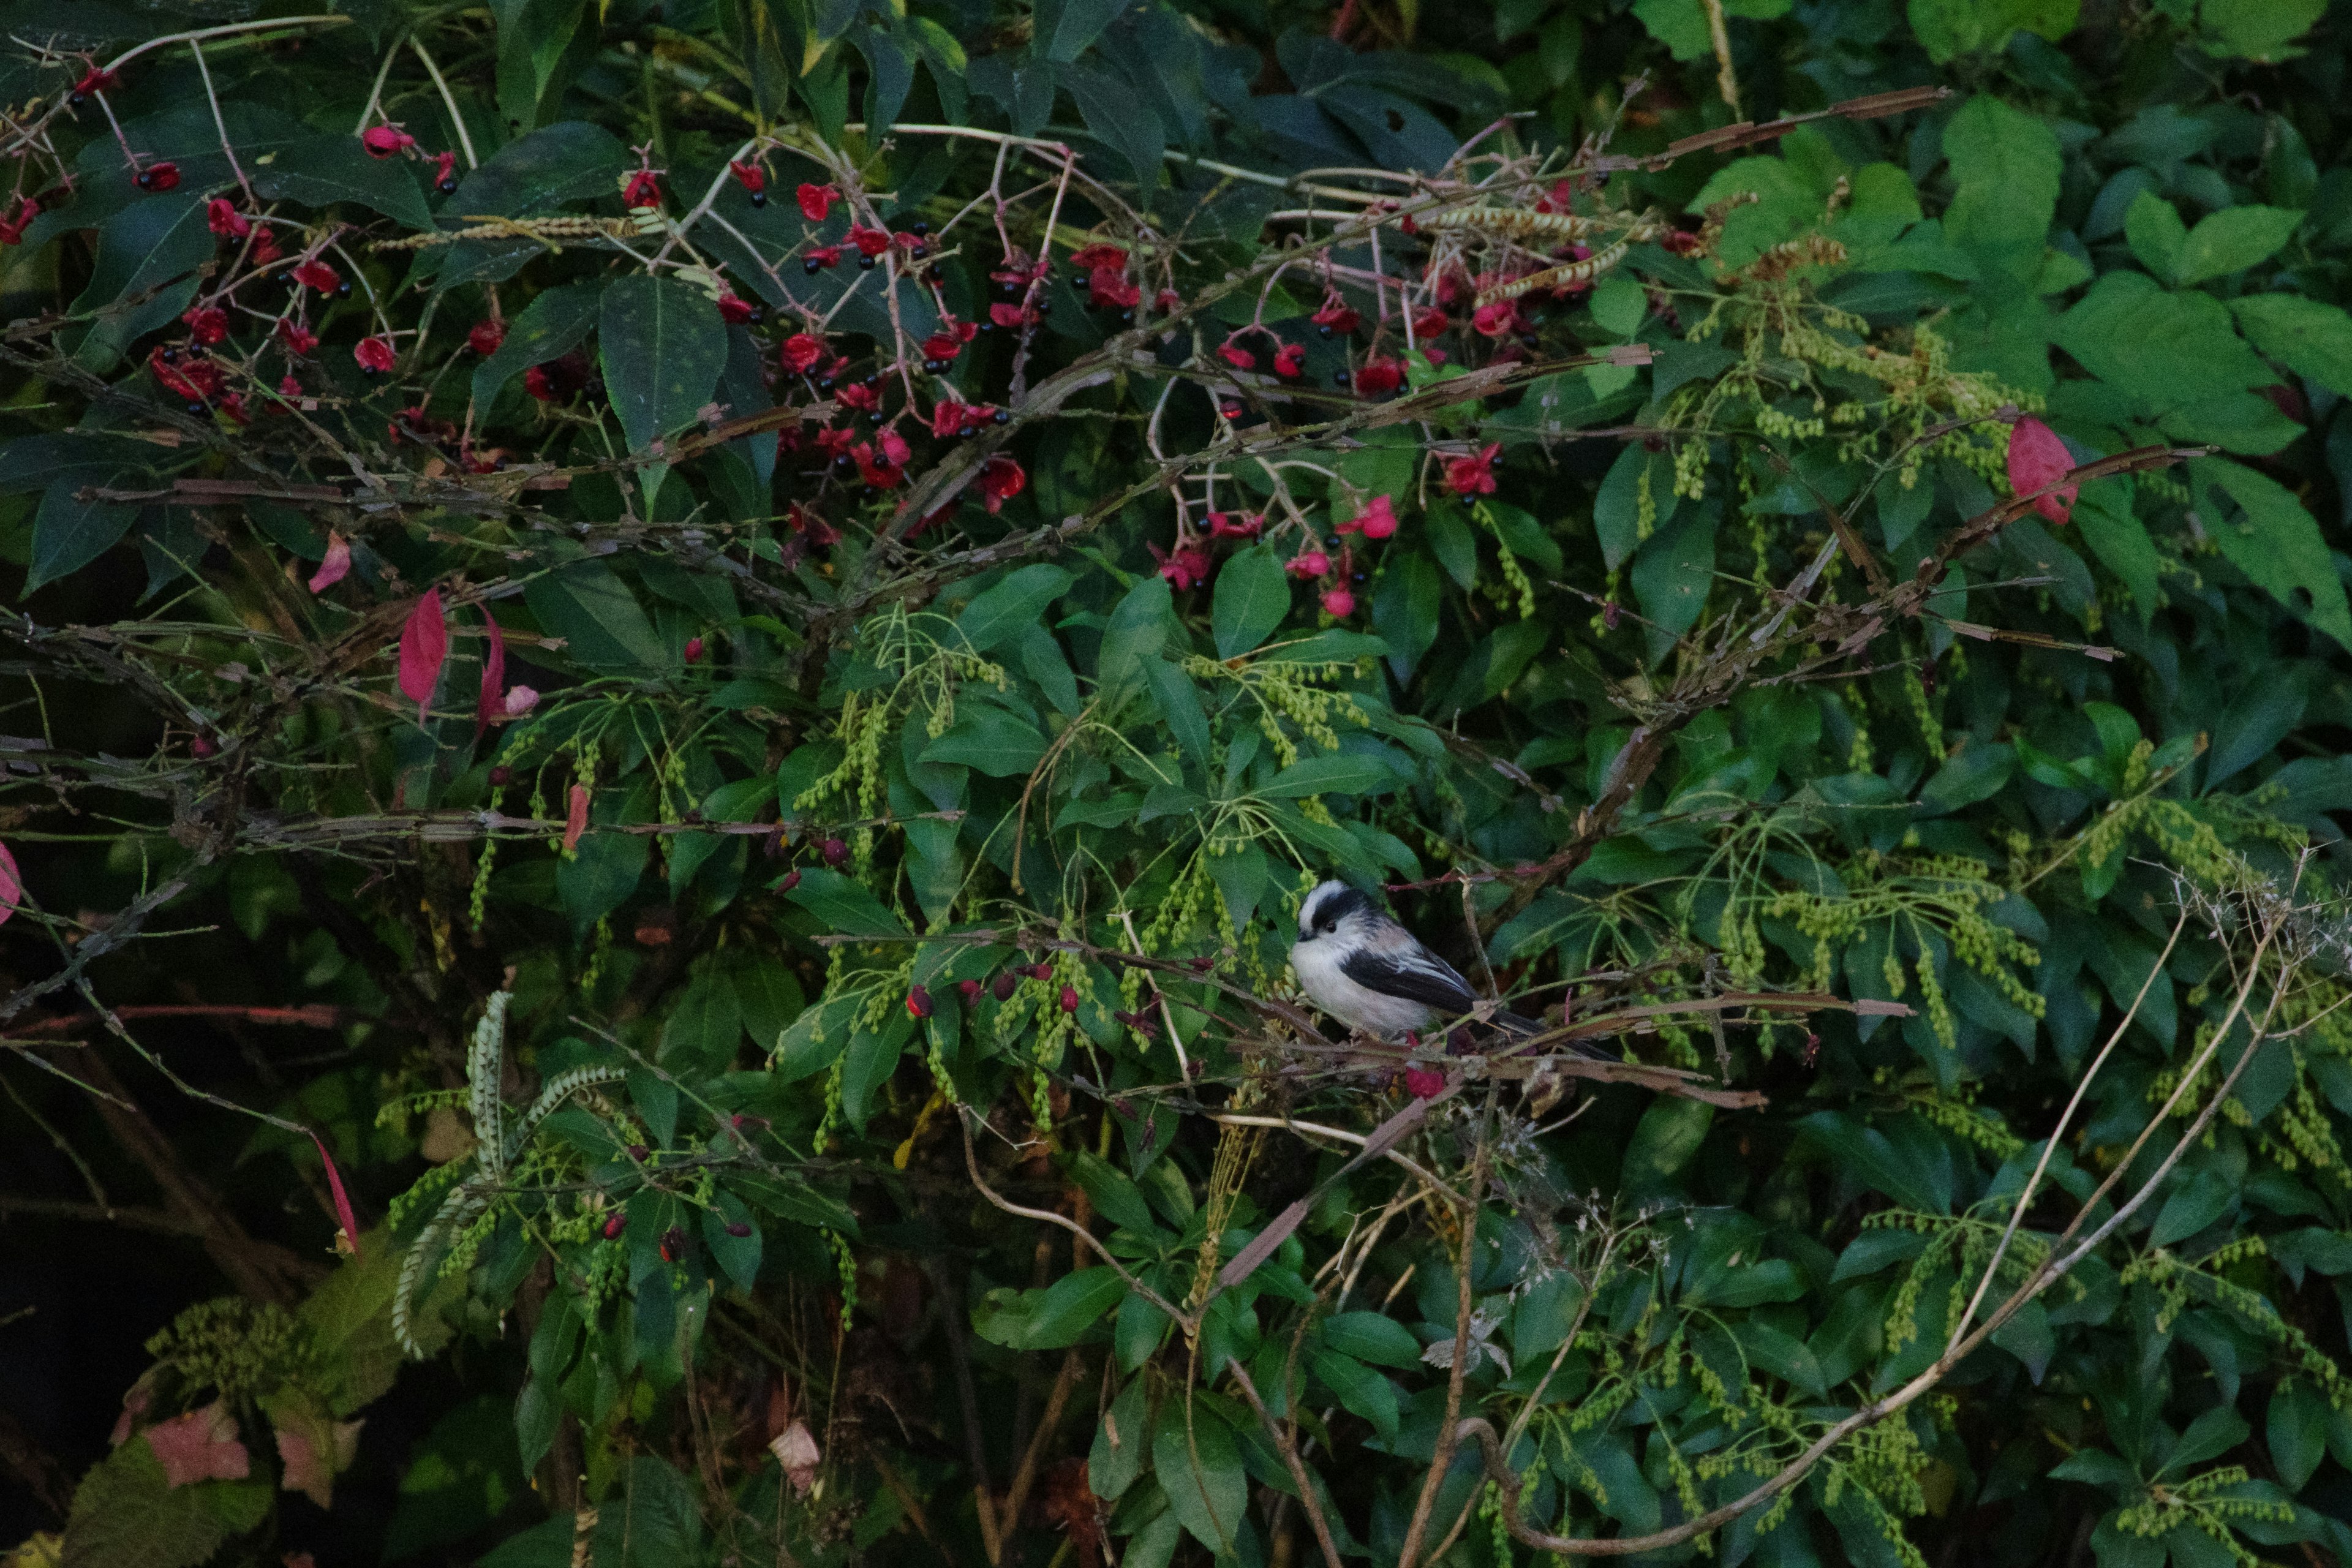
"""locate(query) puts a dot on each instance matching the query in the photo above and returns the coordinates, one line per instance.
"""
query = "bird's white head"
(1330, 906)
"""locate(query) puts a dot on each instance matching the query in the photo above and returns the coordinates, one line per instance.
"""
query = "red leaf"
(201, 1445)
(12, 885)
(576, 819)
(335, 567)
(494, 678)
(343, 1214)
(2037, 458)
(423, 648)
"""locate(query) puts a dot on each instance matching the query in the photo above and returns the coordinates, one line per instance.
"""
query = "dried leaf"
(2036, 457)
(576, 819)
(796, 1451)
(424, 649)
(201, 1445)
(335, 567)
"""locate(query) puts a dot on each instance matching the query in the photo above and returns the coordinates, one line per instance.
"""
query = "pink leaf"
(12, 886)
(494, 678)
(2038, 458)
(201, 1445)
(313, 1451)
(335, 567)
(343, 1214)
(423, 647)
(576, 819)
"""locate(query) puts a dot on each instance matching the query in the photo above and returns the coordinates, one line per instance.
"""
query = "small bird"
(1375, 976)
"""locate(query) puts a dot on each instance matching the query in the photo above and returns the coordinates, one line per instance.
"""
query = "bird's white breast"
(1317, 964)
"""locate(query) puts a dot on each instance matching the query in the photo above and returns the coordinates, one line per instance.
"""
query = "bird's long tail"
(1520, 1025)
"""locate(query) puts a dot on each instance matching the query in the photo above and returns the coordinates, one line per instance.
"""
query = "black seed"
(146, 181)
(1045, 308)
(196, 405)
(919, 252)
(931, 367)
(1003, 416)
(343, 290)
(1324, 331)
(843, 464)
(1340, 378)
(449, 187)
(1127, 315)
(919, 227)
(1529, 340)
(170, 356)
(759, 198)
(826, 385)
(865, 264)
(76, 100)
(812, 266)
(875, 417)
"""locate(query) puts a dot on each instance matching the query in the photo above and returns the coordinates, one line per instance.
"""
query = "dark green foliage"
(948, 521)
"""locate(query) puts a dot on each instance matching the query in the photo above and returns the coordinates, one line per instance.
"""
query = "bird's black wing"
(1427, 980)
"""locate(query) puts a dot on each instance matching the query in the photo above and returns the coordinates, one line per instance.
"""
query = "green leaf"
(1361, 1390)
(536, 173)
(1115, 1197)
(986, 737)
(74, 456)
(600, 621)
(2165, 350)
(1179, 709)
(1976, 773)
(2103, 513)
(1071, 1305)
(1252, 597)
(845, 906)
(2234, 239)
(1867, 1156)
(1067, 28)
(1372, 1336)
(324, 170)
(1120, 121)
(533, 38)
(2005, 164)
(2198, 1199)
(1674, 572)
(2278, 544)
(738, 1256)
(1120, 1443)
(1665, 1141)
(68, 534)
(2312, 340)
(663, 345)
(556, 321)
(2263, 30)
(1680, 24)
(2156, 234)
(126, 1516)
(2298, 1431)
(1012, 605)
(1199, 1468)
(1948, 28)
(1138, 628)
(1334, 773)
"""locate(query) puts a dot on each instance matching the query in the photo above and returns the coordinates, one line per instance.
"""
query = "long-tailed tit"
(1375, 976)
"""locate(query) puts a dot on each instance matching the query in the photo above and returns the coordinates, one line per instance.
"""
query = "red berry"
(971, 990)
(1003, 987)
(737, 1228)
(1069, 998)
(615, 1225)
(919, 1003)
(485, 337)
(1424, 1083)
(501, 775)
(836, 852)
(789, 880)
(673, 1245)
(640, 1152)
(694, 650)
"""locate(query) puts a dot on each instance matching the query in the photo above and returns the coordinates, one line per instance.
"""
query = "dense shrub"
(682, 665)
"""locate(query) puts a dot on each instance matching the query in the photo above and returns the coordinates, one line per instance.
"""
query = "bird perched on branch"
(1375, 976)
